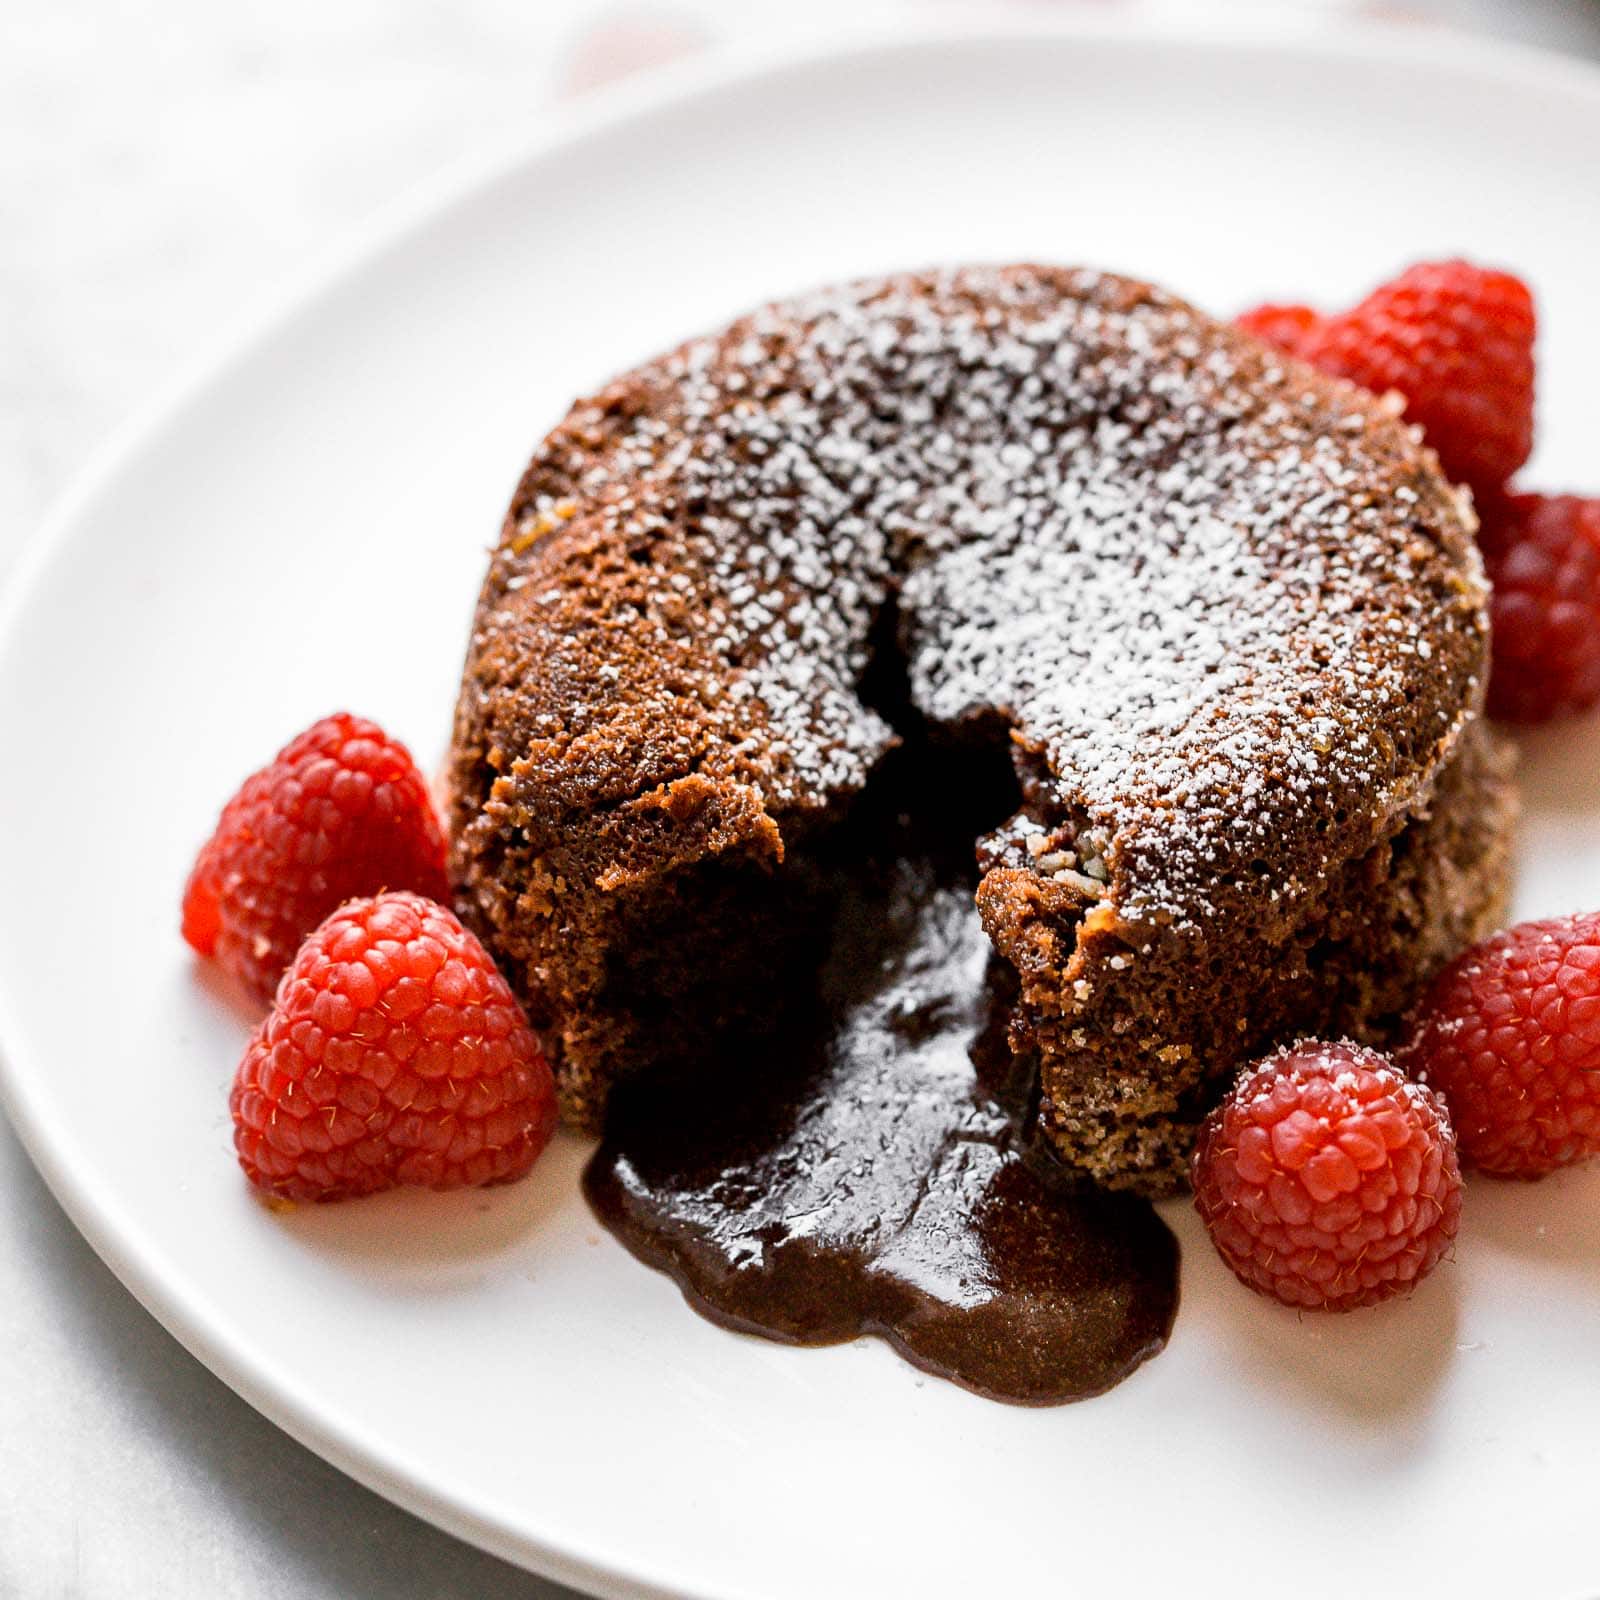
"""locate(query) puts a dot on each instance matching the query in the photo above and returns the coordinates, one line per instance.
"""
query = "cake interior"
(735, 949)
(725, 955)
(866, 1168)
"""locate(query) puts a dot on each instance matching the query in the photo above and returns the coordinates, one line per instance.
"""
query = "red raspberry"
(341, 811)
(394, 1054)
(1542, 554)
(1284, 326)
(1454, 339)
(1327, 1179)
(1509, 1034)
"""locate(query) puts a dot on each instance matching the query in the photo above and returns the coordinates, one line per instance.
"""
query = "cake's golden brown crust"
(1225, 613)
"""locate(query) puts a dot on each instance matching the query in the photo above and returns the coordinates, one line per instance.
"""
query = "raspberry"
(1542, 554)
(1327, 1179)
(1284, 326)
(1454, 339)
(394, 1054)
(341, 811)
(1509, 1034)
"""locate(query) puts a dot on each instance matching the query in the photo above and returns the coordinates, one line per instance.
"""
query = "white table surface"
(162, 167)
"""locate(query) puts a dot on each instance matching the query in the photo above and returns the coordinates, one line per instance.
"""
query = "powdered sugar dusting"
(1157, 552)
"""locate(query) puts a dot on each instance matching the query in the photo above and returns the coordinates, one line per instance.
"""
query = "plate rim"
(249, 1373)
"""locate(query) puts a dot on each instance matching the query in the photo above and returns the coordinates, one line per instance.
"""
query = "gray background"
(162, 167)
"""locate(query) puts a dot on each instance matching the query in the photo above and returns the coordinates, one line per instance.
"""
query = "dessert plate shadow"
(302, 527)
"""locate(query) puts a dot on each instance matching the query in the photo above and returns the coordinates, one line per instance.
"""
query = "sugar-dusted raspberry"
(1542, 555)
(1455, 340)
(394, 1054)
(1327, 1179)
(340, 811)
(1509, 1034)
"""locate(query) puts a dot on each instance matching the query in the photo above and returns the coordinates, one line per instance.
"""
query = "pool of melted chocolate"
(866, 1170)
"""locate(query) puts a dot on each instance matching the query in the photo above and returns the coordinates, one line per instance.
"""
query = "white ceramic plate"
(304, 528)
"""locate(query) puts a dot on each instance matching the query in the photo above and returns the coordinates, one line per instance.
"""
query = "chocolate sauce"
(868, 1171)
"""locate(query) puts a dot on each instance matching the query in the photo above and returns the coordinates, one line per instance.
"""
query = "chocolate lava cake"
(1211, 627)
